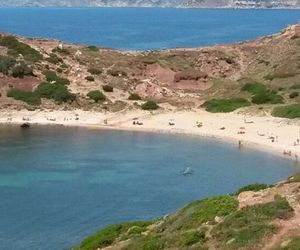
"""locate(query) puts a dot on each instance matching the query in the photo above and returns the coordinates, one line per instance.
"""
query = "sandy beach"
(266, 133)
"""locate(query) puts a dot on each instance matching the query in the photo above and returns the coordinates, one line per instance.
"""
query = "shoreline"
(265, 133)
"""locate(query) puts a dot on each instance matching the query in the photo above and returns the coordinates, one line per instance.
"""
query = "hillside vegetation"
(258, 75)
(257, 217)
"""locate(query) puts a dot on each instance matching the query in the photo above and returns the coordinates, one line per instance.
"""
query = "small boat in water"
(187, 171)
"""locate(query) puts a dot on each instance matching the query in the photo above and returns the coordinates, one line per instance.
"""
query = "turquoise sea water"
(143, 29)
(58, 185)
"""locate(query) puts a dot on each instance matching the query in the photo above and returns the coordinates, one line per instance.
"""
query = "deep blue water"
(143, 29)
(58, 185)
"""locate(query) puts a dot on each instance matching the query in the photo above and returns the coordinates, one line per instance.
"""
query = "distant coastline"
(148, 7)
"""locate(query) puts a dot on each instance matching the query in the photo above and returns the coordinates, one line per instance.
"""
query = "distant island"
(155, 3)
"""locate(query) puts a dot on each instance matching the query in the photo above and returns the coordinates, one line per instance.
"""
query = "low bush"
(254, 88)
(151, 242)
(6, 64)
(108, 235)
(52, 77)
(116, 72)
(93, 48)
(108, 88)
(288, 111)
(9, 66)
(21, 70)
(96, 95)
(15, 48)
(58, 92)
(293, 95)
(62, 94)
(61, 51)
(134, 97)
(90, 78)
(248, 226)
(150, 105)
(267, 97)
(64, 66)
(95, 71)
(59, 70)
(254, 187)
(290, 244)
(192, 238)
(54, 59)
(225, 105)
(294, 178)
(206, 210)
(31, 98)
(295, 86)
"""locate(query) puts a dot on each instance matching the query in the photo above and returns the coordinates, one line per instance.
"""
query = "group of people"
(137, 122)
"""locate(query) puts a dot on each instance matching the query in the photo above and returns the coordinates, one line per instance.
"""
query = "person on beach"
(240, 144)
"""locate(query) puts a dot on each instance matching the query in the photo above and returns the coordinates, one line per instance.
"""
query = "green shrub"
(21, 70)
(150, 105)
(52, 77)
(291, 244)
(267, 97)
(294, 178)
(116, 72)
(295, 86)
(15, 48)
(108, 235)
(59, 70)
(54, 59)
(192, 238)
(93, 48)
(134, 97)
(46, 90)
(107, 88)
(95, 71)
(31, 98)
(6, 63)
(90, 78)
(294, 95)
(152, 242)
(289, 111)
(250, 225)
(136, 230)
(62, 94)
(225, 105)
(254, 88)
(96, 95)
(206, 210)
(61, 51)
(64, 66)
(254, 187)
(58, 92)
